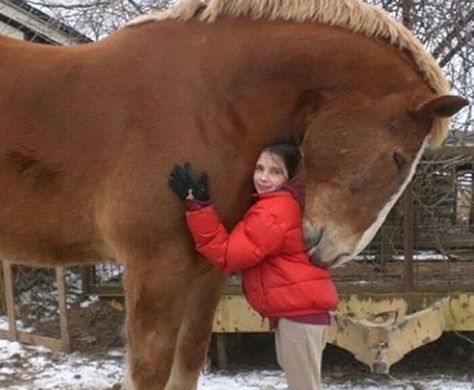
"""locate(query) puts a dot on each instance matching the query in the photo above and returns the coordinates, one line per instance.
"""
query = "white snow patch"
(37, 368)
(89, 301)
(19, 325)
(417, 256)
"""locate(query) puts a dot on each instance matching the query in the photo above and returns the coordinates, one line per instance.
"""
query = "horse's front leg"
(156, 290)
(196, 328)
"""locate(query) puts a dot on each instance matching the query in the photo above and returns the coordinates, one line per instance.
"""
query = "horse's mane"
(354, 15)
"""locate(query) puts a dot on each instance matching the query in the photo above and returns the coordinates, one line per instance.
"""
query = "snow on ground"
(425, 255)
(36, 368)
(25, 367)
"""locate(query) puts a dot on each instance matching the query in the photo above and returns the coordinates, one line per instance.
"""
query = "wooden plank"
(450, 151)
(428, 238)
(32, 339)
(409, 236)
(13, 334)
(431, 276)
(396, 287)
(107, 290)
(63, 323)
(221, 351)
(441, 270)
(87, 273)
(9, 298)
(471, 215)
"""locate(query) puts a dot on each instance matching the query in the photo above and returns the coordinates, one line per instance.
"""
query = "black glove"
(187, 184)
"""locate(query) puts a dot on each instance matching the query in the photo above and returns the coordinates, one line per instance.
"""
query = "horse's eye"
(399, 160)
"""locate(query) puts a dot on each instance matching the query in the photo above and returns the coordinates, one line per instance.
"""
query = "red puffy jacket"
(267, 246)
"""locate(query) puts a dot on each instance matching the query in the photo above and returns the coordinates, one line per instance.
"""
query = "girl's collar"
(295, 190)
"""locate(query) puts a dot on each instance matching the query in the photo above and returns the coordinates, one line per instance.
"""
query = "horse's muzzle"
(314, 239)
(312, 235)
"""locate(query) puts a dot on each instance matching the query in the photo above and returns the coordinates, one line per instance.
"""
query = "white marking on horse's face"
(370, 232)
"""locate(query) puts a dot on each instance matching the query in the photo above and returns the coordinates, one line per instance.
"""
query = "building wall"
(11, 32)
(22, 21)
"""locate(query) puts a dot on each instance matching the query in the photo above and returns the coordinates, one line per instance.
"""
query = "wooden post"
(221, 351)
(453, 177)
(471, 214)
(9, 299)
(13, 334)
(408, 236)
(385, 245)
(87, 274)
(408, 219)
(63, 323)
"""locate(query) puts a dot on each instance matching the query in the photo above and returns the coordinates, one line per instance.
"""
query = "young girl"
(279, 280)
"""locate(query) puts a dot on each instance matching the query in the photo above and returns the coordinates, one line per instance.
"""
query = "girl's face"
(270, 173)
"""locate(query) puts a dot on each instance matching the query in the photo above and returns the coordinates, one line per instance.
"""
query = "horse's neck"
(27, 58)
(239, 54)
(262, 69)
(10, 48)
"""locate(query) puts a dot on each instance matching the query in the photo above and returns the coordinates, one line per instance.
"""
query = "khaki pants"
(299, 350)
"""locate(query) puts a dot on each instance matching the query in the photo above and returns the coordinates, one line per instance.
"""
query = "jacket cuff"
(194, 205)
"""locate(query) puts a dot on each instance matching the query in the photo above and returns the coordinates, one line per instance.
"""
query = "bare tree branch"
(455, 33)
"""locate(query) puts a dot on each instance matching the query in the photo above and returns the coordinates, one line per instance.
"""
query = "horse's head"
(359, 155)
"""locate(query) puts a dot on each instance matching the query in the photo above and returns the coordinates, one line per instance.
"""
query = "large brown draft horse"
(89, 134)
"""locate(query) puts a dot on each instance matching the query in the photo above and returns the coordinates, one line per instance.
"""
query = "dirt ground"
(93, 330)
(98, 328)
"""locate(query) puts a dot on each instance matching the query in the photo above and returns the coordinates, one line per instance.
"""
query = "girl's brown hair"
(289, 152)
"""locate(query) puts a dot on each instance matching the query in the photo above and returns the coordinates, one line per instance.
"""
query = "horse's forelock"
(354, 15)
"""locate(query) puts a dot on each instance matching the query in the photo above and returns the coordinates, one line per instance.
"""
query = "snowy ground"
(36, 368)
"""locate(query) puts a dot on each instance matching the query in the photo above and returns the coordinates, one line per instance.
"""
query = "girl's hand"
(188, 184)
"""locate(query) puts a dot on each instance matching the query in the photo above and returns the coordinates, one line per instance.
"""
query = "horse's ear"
(440, 106)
